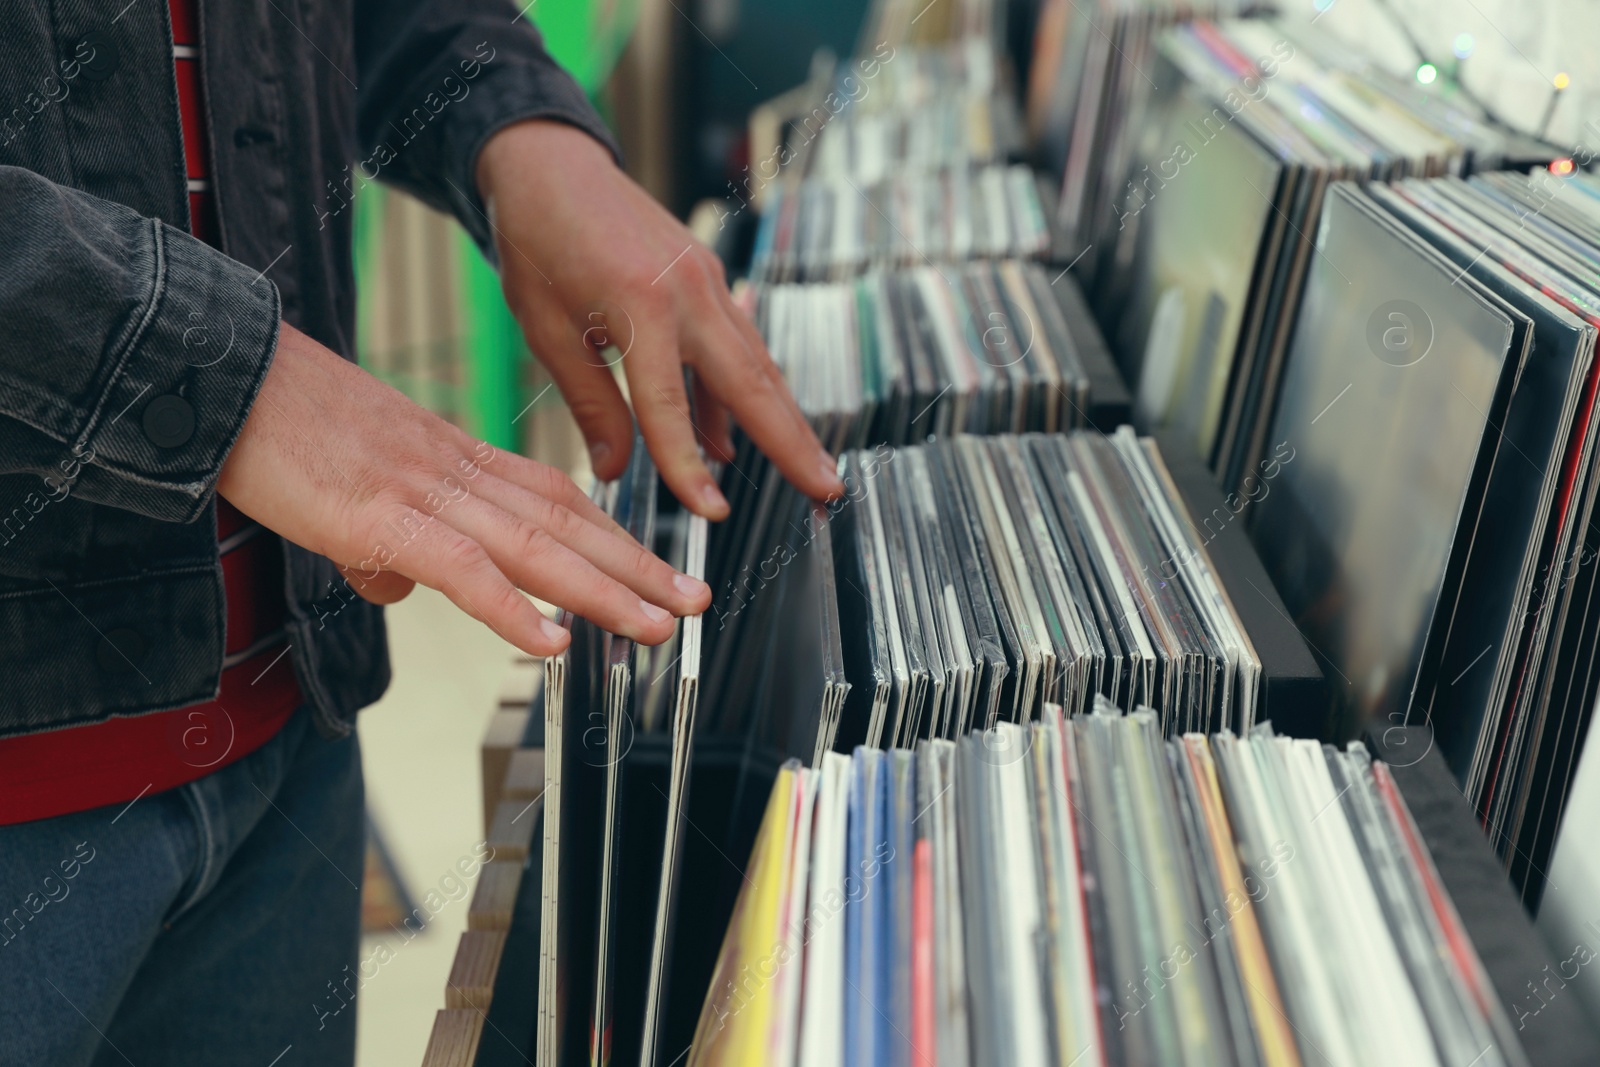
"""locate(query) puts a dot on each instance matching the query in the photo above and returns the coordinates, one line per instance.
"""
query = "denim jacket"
(130, 353)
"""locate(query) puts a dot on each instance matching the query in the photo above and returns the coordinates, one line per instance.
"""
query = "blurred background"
(679, 80)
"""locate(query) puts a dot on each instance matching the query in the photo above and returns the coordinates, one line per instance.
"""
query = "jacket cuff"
(185, 369)
(514, 87)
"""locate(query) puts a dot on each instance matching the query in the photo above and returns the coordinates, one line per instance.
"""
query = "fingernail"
(830, 469)
(689, 587)
(713, 498)
(654, 613)
(552, 631)
(599, 452)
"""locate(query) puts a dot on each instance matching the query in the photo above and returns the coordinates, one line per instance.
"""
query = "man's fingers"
(544, 480)
(757, 345)
(655, 380)
(577, 360)
(456, 565)
(534, 558)
(616, 555)
(738, 371)
(713, 423)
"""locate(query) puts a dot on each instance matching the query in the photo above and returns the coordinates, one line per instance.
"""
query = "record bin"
(726, 802)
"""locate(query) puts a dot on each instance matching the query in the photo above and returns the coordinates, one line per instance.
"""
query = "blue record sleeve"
(877, 875)
(860, 923)
(899, 871)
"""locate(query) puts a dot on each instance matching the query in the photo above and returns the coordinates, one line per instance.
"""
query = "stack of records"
(1089, 82)
(773, 657)
(830, 229)
(980, 578)
(1200, 257)
(912, 76)
(1433, 537)
(868, 143)
(989, 347)
(603, 963)
(1082, 892)
(891, 110)
(906, 109)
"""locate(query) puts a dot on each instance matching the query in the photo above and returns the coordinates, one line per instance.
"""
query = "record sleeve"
(1333, 534)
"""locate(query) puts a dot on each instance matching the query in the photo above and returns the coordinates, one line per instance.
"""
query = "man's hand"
(590, 262)
(341, 464)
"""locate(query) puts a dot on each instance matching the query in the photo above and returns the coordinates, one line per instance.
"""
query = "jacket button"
(121, 650)
(96, 55)
(168, 421)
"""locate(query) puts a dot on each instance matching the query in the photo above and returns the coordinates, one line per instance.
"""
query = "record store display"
(892, 356)
(1086, 94)
(1447, 340)
(829, 229)
(1082, 891)
(603, 961)
(1337, 555)
(893, 283)
(1202, 254)
(907, 108)
(867, 145)
(1312, 529)
(980, 578)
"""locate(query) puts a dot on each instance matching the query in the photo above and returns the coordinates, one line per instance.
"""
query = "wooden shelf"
(513, 781)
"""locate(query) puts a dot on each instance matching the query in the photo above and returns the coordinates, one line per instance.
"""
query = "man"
(203, 501)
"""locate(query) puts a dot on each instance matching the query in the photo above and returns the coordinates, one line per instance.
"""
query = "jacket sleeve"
(438, 78)
(132, 351)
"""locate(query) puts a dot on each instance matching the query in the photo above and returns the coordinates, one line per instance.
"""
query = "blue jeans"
(207, 925)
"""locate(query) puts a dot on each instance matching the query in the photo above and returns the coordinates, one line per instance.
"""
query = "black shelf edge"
(1110, 403)
(509, 1025)
(1550, 1023)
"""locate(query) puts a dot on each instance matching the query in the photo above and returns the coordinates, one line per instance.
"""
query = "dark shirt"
(133, 351)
